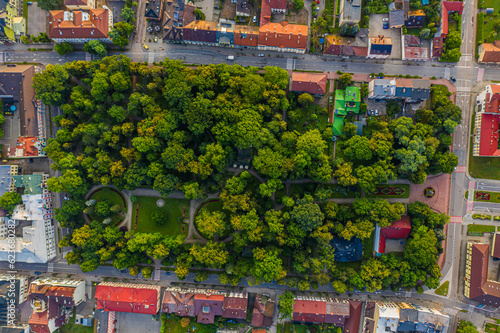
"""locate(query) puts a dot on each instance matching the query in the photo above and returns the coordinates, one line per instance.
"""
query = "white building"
(37, 244)
(386, 317)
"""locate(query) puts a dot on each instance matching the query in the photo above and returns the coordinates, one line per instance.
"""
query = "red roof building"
(79, 26)
(495, 249)
(486, 124)
(181, 303)
(448, 7)
(235, 306)
(246, 36)
(477, 286)
(489, 52)
(263, 311)
(399, 229)
(127, 297)
(314, 84)
(437, 47)
(283, 37)
(271, 6)
(309, 311)
(488, 139)
(207, 306)
(352, 323)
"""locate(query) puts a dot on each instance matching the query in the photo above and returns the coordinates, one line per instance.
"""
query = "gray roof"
(408, 314)
(5, 178)
(396, 18)
(352, 10)
(384, 87)
(421, 89)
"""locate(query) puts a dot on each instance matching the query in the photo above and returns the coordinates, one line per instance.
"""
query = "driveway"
(37, 20)
(376, 29)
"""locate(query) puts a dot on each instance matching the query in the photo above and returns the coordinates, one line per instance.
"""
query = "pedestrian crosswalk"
(480, 75)
(290, 64)
(460, 169)
(156, 275)
(455, 219)
(50, 267)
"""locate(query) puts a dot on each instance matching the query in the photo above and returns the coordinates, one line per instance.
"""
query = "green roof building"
(347, 100)
(32, 183)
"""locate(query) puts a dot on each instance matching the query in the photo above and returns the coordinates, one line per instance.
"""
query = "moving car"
(230, 57)
(145, 46)
(453, 79)
(261, 55)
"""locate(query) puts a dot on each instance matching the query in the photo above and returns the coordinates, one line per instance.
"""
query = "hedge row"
(480, 30)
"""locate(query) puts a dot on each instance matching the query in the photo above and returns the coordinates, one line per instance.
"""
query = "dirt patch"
(302, 17)
(228, 10)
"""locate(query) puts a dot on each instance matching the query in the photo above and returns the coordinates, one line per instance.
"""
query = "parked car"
(123, 271)
(385, 20)
(145, 46)
(385, 27)
(376, 112)
(216, 7)
(38, 273)
(168, 273)
(29, 3)
(254, 19)
(261, 55)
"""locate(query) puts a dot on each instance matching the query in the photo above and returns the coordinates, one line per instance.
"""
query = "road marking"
(472, 185)
(50, 267)
(157, 274)
(446, 73)
(289, 64)
(469, 207)
(480, 75)
(460, 168)
(455, 219)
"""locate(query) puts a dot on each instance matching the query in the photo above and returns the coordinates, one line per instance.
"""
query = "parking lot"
(376, 29)
(37, 20)
(135, 322)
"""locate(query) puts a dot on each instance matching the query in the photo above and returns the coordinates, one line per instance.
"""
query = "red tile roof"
(235, 307)
(309, 82)
(127, 298)
(182, 304)
(309, 311)
(495, 88)
(283, 35)
(496, 246)
(446, 7)
(61, 291)
(352, 323)
(95, 27)
(488, 142)
(437, 47)
(75, 2)
(397, 230)
(263, 311)
(489, 52)
(481, 289)
(267, 7)
(246, 35)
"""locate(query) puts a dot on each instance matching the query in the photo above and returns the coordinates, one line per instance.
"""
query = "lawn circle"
(160, 203)
(113, 196)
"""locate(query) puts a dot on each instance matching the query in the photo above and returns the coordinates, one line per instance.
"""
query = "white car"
(376, 112)
(261, 55)
(385, 20)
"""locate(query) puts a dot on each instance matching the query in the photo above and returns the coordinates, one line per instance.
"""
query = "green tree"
(102, 208)
(268, 265)
(298, 5)
(344, 175)
(277, 75)
(286, 302)
(159, 218)
(364, 91)
(63, 48)
(128, 14)
(211, 224)
(95, 47)
(199, 15)
(192, 191)
(358, 149)
(147, 272)
(52, 85)
(9, 201)
(345, 80)
(50, 4)
(305, 100)
(466, 327)
(201, 276)
(307, 214)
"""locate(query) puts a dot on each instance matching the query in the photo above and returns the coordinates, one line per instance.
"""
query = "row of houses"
(486, 122)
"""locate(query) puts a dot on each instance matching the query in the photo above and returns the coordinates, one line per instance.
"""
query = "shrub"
(480, 29)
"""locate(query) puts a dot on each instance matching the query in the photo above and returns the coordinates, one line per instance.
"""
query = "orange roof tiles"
(283, 35)
(209, 297)
(95, 27)
(489, 53)
(246, 35)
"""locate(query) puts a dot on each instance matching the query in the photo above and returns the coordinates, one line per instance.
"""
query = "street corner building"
(486, 122)
(52, 301)
(477, 285)
(80, 26)
(128, 297)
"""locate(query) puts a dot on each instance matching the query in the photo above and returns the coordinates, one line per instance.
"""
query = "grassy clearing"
(368, 244)
(480, 228)
(491, 327)
(173, 325)
(483, 167)
(405, 194)
(113, 198)
(303, 120)
(443, 289)
(174, 209)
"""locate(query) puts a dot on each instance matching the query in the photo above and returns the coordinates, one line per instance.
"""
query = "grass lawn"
(413, 31)
(443, 289)
(490, 19)
(173, 325)
(484, 167)
(113, 198)
(368, 244)
(480, 228)
(75, 328)
(404, 194)
(173, 208)
(490, 327)
(302, 120)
